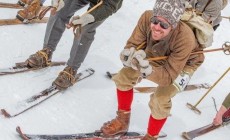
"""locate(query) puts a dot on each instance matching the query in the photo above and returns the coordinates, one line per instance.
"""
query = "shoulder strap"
(206, 5)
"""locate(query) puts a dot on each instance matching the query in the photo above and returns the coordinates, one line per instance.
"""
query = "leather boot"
(149, 137)
(117, 126)
(24, 3)
(30, 12)
(66, 78)
(41, 58)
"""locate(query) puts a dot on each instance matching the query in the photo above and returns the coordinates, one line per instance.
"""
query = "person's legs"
(54, 30)
(56, 24)
(78, 53)
(160, 103)
(81, 45)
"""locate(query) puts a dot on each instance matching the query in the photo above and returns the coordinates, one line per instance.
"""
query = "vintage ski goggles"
(156, 21)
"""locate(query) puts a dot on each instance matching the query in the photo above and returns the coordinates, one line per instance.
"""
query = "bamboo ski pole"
(194, 108)
(226, 17)
(225, 48)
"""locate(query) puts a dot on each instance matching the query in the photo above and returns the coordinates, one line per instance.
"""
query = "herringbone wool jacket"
(211, 12)
(177, 46)
(106, 9)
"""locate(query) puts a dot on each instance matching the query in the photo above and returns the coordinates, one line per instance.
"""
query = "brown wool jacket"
(177, 46)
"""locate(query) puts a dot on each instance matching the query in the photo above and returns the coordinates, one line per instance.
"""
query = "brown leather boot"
(41, 58)
(66, 78)
(30, 12)
(117, 126)
(24, 3)
(149, 137)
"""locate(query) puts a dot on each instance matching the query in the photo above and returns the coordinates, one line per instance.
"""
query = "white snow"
(91, 102)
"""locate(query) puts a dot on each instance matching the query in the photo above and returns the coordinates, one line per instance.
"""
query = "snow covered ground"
(89, 103)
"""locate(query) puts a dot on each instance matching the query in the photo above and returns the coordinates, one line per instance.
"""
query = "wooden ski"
(198, 132)
(10, 5)
(17, 21)
(153, 89)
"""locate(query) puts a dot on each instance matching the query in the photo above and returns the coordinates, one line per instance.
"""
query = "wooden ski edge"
(19, 131)
(10, 5)
(55, 63)
(92, 136)
(5, 22)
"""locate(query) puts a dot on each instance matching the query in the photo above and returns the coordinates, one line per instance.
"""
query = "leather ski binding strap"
(44, 11)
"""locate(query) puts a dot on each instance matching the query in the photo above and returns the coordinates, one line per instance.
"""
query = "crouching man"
(165, 35)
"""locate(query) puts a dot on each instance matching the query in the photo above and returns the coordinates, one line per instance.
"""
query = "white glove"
(126, 56)
(138, 63)
(138, 56)
(83, 20)
(58, 4)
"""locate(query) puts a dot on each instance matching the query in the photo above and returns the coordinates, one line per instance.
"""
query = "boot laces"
(32, 8)
(44, 54)
(68, 74)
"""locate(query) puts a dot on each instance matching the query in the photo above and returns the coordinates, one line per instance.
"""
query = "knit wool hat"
(172, 10)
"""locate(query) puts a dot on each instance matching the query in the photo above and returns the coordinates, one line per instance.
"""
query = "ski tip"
(19, 131)
(92, 70)
(206, 86)
(5, 113)
(109, 75)
(162, 135)
(186, 136)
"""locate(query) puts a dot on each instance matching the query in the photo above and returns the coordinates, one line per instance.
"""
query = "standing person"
(203, 16)
(209, 10)
(81, 44)
(223, 115)
(165, 35)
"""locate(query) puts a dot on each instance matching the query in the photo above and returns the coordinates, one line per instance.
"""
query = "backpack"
(203, 31)
(224, 3)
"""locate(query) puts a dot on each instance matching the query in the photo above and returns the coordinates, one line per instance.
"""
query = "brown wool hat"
(172, 10)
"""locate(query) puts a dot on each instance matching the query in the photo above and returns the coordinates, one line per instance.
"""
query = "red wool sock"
(124, 99)
(154, 126)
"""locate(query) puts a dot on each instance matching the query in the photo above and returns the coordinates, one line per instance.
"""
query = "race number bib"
(181, 81)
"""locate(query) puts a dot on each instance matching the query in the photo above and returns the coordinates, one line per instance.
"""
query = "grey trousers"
(56, 26)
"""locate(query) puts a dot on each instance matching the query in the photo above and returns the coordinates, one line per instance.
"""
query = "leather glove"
(83, 20)
(58, 4)
(138, 63)
(126, 56)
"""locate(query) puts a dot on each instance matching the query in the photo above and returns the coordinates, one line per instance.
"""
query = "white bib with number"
(181, 81)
